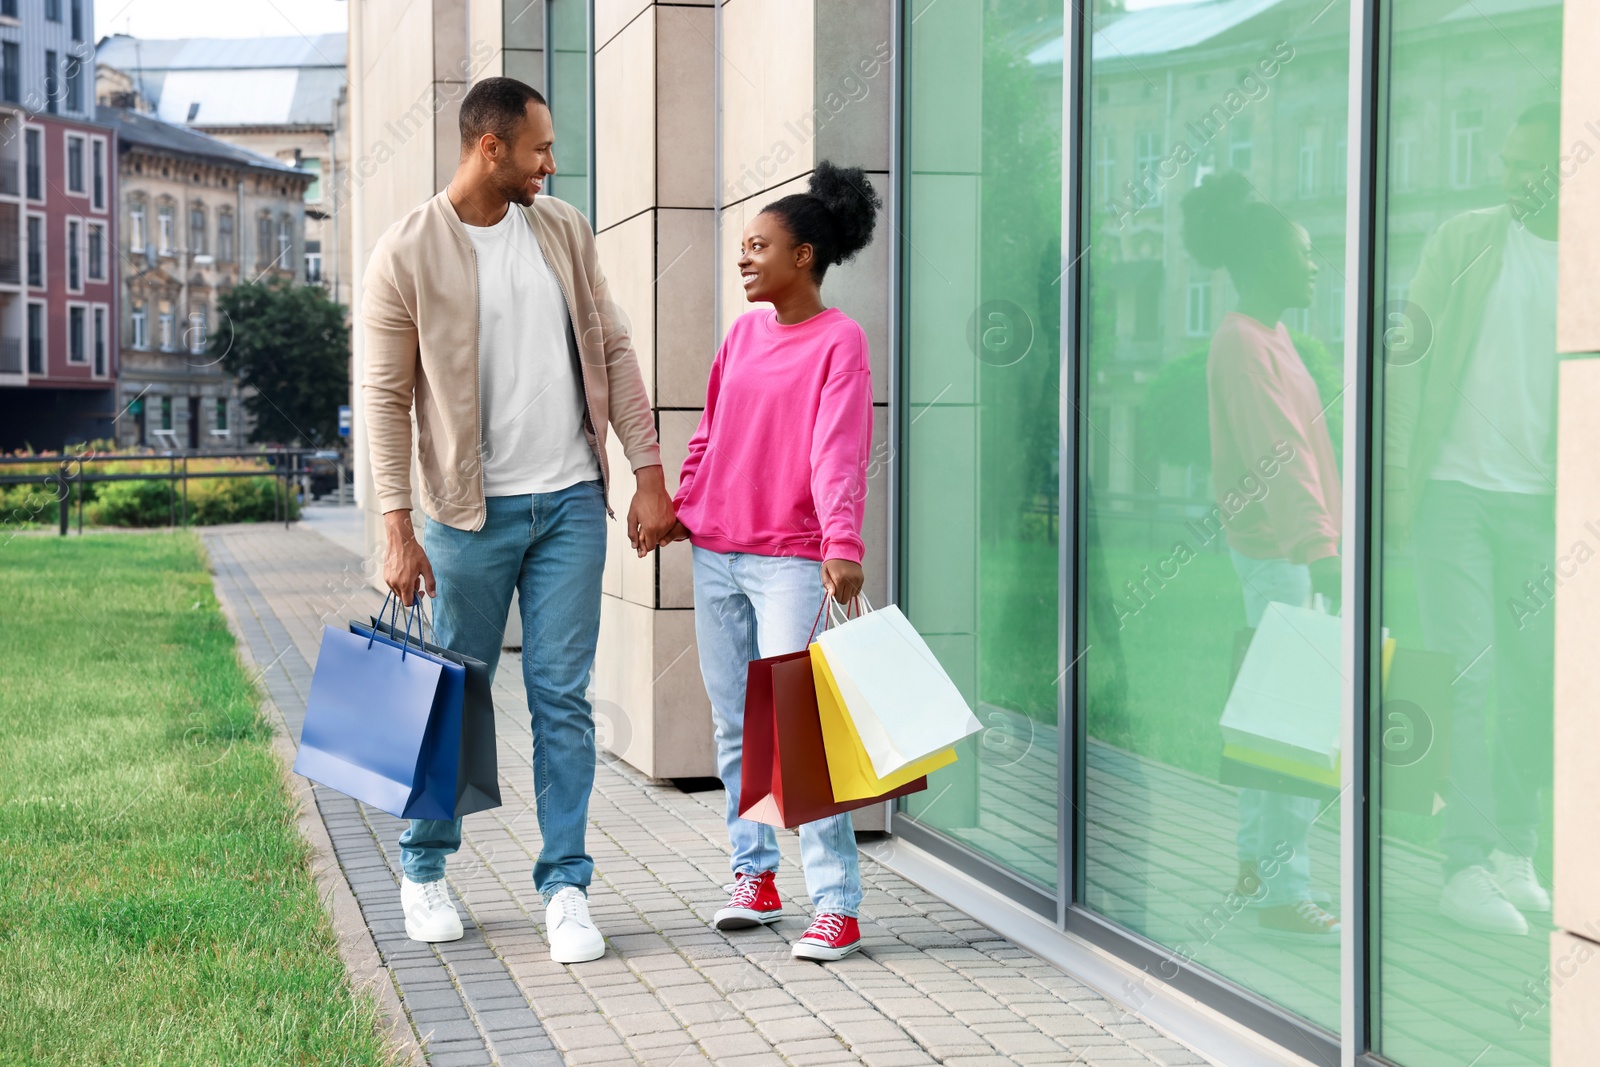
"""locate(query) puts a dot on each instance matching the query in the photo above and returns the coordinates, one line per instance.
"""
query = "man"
(1470, 472)
(486, 310)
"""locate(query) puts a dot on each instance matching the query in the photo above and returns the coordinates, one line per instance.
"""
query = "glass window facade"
(1136, 300)
(568, 74)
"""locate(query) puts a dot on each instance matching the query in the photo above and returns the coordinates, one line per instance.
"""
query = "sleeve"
(388, 381)
(629, 405)
(1258, 411)
(702, 432)
(841, 445)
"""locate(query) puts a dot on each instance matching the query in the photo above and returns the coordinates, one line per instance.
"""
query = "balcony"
(10, 355)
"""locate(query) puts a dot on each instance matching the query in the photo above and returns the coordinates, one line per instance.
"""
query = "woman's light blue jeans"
(1275, 828)
(550, 548)
(751, 607)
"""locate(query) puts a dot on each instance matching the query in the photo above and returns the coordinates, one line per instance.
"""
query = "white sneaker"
(430, 913)
(1514, 875)
(572, 934)
(1472, 899)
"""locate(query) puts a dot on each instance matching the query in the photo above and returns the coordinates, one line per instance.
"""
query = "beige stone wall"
(1575, 946)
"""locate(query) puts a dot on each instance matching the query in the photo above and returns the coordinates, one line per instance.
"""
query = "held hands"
(842, 579)
(404, 562)
(651, 521)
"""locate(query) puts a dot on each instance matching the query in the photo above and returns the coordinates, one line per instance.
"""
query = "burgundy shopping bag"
(784, 781)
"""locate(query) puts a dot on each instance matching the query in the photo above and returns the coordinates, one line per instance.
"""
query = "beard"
(512, 186)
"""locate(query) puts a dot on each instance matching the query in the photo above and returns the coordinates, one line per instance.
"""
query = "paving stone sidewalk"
(932, 985)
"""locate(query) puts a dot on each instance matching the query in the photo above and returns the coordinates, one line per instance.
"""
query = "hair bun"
(1214, 214)
(851, 200)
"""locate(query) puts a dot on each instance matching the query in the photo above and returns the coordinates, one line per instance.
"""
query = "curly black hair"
(835, 217)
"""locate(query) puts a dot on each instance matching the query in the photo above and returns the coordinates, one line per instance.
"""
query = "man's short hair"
(495, 105)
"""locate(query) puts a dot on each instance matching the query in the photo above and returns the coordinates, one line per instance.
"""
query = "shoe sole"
(411, 932)
(1483, 928)
(729, 919)
(588, 957)
(821, 953)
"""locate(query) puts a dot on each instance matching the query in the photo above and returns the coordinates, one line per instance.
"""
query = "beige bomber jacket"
(419, 308)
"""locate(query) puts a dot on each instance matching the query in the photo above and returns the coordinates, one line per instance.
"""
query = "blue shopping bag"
(383, 723)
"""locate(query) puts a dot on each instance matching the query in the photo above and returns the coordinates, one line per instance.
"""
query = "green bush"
(211, 501)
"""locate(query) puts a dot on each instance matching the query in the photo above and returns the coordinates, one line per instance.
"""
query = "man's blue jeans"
(751, 607)
(550, 548)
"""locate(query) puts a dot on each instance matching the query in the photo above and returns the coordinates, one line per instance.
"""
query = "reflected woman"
(1265, 409)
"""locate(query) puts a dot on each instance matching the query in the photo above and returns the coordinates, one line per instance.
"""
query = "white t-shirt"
(533, 439)
(1502, 436)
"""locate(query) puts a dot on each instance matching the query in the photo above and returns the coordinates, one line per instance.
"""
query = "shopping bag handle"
(841, 614)
(414, 611)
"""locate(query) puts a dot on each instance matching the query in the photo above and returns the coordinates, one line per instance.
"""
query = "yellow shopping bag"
(849, 767)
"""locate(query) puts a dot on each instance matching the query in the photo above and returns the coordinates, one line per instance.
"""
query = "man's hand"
(842, 579)
(650, 516)
(679, 532)
(404, 562)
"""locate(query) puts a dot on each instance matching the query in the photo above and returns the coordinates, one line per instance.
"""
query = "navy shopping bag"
(383, 724)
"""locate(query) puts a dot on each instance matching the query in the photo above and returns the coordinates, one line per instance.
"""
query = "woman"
(1270, 446)
(771, 497)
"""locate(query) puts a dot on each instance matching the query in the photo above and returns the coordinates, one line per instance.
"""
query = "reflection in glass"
(982, 519)
(1466, 589)
(1212, 371)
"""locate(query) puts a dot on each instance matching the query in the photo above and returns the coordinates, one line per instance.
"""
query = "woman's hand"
(679, 532)
(842, 579)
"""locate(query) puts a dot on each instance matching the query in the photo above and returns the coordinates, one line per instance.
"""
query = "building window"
(52, 10)
(1105, 169)
(75, 66)
(77, 20)
(1310, 159)
(140, 333)
(97, 147)
(197, 229)
(100, 340)
(36, 251)
(164, 229)
(164, 326)
(97, 251)
(313, 262)
(11, 72)
(285, 258)
(1146, 158)
(136, 228)
(74, 255)
(8, 8)
(263, 240)
(52, 73)
(1466, 132)
(33, 161)
(35, 338)
(166, 414)
(1198, 319)
(75, 183)
(314, 190)
(1241, 143)
(224, 237)
(222, 416)
(76, 351)
(196, 333)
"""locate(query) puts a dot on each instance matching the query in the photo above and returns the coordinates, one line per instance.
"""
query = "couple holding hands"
(479, 311)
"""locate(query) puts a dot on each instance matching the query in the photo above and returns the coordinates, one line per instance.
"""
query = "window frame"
(76, 253)
(91, 228)
(99, 173)
(82, 141)
(82, 308)
(100, 339)
(138, 325)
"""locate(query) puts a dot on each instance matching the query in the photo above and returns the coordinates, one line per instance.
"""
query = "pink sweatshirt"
(1272, 464)
(778, 464)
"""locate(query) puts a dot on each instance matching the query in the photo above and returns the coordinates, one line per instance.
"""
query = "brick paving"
(931, 986)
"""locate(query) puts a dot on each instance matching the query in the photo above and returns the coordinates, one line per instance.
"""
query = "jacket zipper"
(577, 340)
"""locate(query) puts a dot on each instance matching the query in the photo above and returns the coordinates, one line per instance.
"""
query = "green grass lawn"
(155, 902)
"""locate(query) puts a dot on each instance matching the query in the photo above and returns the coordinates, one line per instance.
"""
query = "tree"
(291, 345)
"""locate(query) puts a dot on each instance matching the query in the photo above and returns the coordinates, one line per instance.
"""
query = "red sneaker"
(829, 937)
(754, 903)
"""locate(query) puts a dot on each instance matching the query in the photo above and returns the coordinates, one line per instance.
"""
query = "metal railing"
(10, 355)
(286, 466)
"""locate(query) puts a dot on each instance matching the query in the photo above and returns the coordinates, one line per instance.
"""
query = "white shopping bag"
(1287, 699)
(900, 699)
